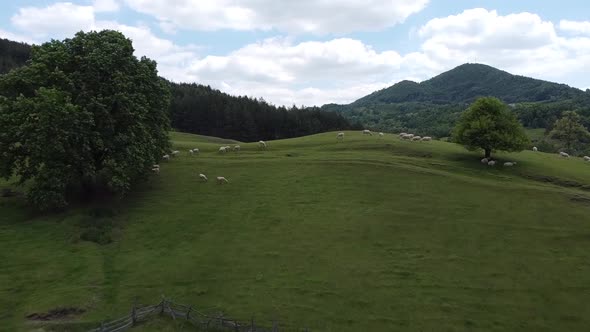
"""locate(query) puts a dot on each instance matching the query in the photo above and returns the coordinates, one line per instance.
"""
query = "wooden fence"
(186, 313)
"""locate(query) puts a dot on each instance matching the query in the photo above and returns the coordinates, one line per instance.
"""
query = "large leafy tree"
(570, 130)
(489, 125)
(83, 114)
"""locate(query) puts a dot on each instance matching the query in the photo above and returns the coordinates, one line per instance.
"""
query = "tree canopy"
(489, 125)
(83, 115)
(570, 130)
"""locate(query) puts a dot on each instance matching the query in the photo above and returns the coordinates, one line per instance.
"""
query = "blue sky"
(315, 52)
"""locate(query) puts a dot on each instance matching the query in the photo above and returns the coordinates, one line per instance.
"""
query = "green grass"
(366, 235)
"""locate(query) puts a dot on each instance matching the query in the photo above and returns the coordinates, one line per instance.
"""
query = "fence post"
(133, 313)
(252, 324)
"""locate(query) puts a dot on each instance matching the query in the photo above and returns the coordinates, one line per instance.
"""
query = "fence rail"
(182, 312)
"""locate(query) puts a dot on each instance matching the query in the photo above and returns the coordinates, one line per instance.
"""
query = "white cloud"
(57, 20)
(576, 27)
(15, 37)
(105, 5)
(520, 43)
(336, 16)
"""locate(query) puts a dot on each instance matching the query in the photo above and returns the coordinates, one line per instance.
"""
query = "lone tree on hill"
(83, 116)
(570, 130)
(488, 124)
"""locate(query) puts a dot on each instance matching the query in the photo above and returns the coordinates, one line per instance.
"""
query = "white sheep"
(535, 149)
(427, 138)
(237, 148)
(155, 166)
(510, 163)
(222, 149)
(166, 157)
(367, 132)
(191, 151)
(196, 150)
(262, 144)
(563, 154)
(491, 163)
(381, 134)
(586, 158)
(156, 170)
(410, 136)
(402, 134)
(175, 153)
(221, 180)
(485, 160)
(340, 136)
(407, 137)
(203, 177)
(416, 138)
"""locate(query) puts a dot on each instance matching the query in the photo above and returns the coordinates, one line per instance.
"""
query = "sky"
(314, 52)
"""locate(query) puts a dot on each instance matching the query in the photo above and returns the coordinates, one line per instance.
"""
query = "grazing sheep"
(237, 148)
(262, 144)
(196, 150)
(228, 148)
(381, 135)
(340, 136)
(586, 158)
(427, 138)
(175, 153)
(203, 177)
(491, 163)
(535, 149)
(222, 149)
(221, 180)
(407, 137)
(416, 138)
(510, 163)
(402, 134)
(367, 132)
(155, 166)
(191, 151)
(485, 160)
(563, 154)
(410, 135)
(156, 170)
(166, 157)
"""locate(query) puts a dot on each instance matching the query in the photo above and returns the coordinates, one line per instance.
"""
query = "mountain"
(465, 83)
(432, 107)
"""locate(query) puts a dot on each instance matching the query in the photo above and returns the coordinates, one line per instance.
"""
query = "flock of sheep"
(339, 137)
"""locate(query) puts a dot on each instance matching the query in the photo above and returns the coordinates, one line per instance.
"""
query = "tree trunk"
(488, 153)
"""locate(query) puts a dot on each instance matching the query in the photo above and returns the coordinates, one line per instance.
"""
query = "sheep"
(410, 135)
(228, 148)
(427, 138)
(221, 180)
(262, 144)
(340, 136)
(166, 157)
(416, 138)
(191, 151)
(510, 163)
(491, 163)
(485, 160)
(402, 134)
(407, 137)
(156, 170)
(563, 154)
(237, 148)
(535, 149)
(203, 177)
(367, 132)
(175, 153)
(196, 150)
(586, 158)
(381, 134)
(155, 166)
(222, 149)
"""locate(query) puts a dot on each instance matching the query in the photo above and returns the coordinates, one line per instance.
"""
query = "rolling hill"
(365, 235)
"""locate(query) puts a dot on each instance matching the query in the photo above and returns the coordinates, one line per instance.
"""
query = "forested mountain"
(201, 110)
(433, 106)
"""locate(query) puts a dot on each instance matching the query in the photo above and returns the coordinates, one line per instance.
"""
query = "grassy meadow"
(369, 234)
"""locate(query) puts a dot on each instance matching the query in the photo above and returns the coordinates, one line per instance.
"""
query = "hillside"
(465, 83)
(13, 55)
(365, 235)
